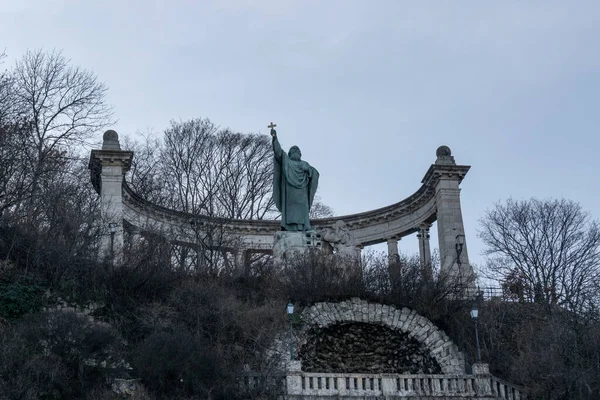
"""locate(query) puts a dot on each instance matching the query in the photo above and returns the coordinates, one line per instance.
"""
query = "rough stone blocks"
(439, 344)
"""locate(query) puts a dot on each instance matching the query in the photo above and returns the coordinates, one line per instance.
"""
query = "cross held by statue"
(271, 125)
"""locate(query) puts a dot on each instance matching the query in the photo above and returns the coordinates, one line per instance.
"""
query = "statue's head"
(295, 153)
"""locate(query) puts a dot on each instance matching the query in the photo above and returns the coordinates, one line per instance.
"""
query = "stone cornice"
(103, 158)
(245, 226)
(440, 171)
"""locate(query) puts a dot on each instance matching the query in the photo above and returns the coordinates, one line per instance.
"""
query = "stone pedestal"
(293, 378)
(482, 379)
(290, 245)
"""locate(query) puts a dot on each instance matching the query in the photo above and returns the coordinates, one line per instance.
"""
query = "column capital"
(110, 155)
(425, 225)
(423, 230)
(437, 172)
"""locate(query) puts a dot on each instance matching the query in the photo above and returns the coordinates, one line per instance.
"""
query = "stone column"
(447, 177)
(135, 236)
(425, 251)
(358, 248)
(112, 210)
(242, 260)
(393, 262)
(108, 167)
(293, 378)
(393, 255)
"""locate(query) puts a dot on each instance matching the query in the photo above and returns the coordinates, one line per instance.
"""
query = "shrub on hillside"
(18, 299)
(55, 355)
(179, 364)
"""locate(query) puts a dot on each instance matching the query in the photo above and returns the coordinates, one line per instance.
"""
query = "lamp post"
(113, 229)
(475, 314)
(290, 312)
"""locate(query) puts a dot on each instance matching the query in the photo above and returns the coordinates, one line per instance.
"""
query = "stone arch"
(438, 344)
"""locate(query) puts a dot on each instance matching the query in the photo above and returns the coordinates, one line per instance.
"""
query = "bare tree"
(185, 163)
(145, 176)
(64, 106)
(14, 178)
(6, 98)
(207, 171)
(10, 189)
(548, 248)
(204, 170)
(320, 209)
(245, 192)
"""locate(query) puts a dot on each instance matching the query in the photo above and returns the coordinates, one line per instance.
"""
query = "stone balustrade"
(504, 390)
(302, 385)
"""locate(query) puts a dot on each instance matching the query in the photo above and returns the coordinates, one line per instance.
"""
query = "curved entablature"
(371, 227)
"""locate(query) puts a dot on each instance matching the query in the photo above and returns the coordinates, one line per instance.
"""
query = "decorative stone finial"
(440, 152)
(444, 155)
(110, 140)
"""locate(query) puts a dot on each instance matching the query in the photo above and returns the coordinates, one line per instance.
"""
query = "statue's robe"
(294, 187)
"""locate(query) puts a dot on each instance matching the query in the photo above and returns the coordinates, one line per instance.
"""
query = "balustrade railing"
(504, 390)
(303, 385)
(487, 293)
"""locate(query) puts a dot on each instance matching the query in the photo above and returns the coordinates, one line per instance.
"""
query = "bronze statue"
(294, 186)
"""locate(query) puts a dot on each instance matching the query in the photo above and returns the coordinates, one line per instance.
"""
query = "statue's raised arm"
(294, 186)
(276, 146)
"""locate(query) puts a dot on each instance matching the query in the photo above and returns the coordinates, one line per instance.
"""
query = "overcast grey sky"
(367, 89)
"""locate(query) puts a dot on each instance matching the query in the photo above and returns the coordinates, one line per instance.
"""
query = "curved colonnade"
(437, 200)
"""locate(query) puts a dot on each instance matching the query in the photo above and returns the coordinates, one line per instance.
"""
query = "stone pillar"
(108, 167)
(393, 255)
(293, 378)
(388, 386)
(482, 380)
(447, 177)
(393, 262)
(425, 251)
(242, 261)
(135, 236)
(358, 248)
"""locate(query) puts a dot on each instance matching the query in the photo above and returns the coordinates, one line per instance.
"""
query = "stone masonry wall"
(434, 341)
(359, 347)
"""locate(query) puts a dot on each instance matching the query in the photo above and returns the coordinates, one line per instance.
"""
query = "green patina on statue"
(294, 186)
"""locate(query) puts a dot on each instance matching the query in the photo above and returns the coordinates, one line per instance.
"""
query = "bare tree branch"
(547, 250)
